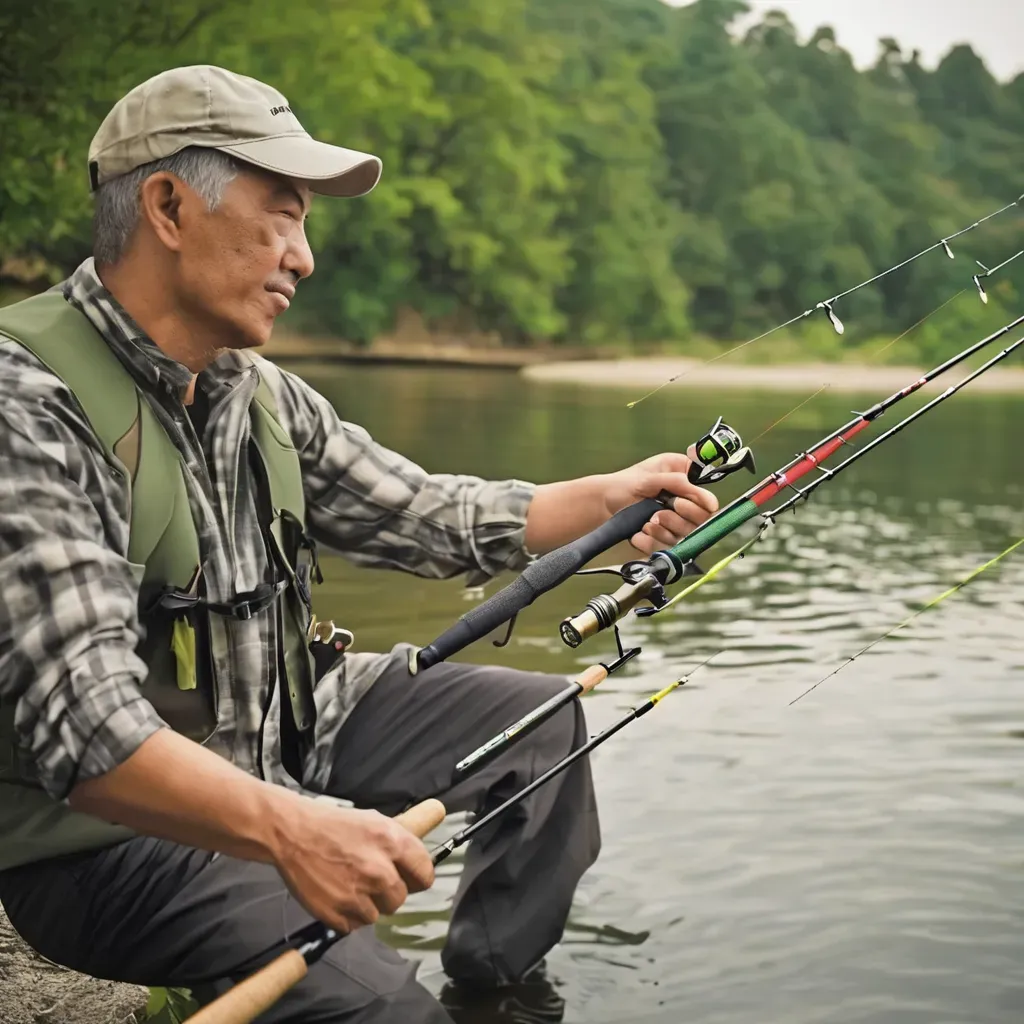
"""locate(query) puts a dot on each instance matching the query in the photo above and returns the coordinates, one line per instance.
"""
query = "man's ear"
(160, 197)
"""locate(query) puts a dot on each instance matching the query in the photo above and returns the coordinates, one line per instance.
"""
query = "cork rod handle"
(591, 677)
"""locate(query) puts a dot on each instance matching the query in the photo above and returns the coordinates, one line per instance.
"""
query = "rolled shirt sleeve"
(381, 509)
(68, 598)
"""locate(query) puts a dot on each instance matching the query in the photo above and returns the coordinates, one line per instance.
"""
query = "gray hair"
(116, 202)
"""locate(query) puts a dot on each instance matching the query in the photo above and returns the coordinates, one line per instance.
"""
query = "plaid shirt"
(68, 600)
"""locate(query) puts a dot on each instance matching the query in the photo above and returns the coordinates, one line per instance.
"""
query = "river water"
(854, 857)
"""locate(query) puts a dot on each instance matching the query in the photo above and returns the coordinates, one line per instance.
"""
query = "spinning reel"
(719, 452)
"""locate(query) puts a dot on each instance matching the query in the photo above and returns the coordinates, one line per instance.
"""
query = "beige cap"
(205, 105)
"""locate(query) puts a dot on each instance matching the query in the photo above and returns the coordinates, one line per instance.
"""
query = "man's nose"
(298, 257)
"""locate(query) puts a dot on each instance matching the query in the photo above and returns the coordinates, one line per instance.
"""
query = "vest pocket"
(179, 683)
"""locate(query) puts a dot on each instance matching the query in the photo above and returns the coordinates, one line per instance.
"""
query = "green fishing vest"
(164, 552)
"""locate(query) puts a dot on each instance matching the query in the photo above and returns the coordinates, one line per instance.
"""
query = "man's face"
(239, 264)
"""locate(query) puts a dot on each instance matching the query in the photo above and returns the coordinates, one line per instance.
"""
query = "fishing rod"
(646, 579)
(248, 999)
(719, 453)
(522, 728)
(446, 849)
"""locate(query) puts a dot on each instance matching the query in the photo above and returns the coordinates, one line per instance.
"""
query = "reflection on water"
(854, 857)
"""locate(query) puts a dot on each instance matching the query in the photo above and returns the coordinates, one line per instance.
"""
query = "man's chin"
(250, 335)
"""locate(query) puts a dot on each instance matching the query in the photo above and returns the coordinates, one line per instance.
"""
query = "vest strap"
(241, 606)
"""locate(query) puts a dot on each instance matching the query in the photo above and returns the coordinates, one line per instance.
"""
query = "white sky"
(995, 28)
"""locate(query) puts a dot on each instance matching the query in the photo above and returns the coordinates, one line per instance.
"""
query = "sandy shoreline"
(584, 367)
(645, 374)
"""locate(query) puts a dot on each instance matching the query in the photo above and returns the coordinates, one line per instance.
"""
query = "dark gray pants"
(155, 913)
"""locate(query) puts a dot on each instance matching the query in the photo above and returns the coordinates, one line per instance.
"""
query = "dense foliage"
(598, 171)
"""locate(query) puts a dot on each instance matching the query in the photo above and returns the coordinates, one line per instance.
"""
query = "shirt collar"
(144, 358)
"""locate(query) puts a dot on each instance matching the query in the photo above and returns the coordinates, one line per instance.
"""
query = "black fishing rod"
(446, 849)
(719, 453)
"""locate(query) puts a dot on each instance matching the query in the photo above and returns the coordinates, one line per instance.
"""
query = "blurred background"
(570, 179)
(616, 173)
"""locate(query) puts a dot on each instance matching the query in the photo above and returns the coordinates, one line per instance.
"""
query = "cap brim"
(325, 169)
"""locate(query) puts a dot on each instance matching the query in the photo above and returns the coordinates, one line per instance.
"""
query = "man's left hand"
(666, 472)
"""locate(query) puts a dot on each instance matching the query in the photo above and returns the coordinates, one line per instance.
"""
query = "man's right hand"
(347, 867)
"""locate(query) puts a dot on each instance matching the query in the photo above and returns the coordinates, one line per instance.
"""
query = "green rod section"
(713, 531)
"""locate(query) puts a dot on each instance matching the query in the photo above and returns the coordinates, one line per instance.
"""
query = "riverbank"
(32, 990)
(642, 375)
(406, 349)
(596, 368)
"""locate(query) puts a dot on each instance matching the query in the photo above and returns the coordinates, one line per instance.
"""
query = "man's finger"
(392, 896)
(667, 462)
(359, 912)
(679, 485)
(644, 544)
(659, 534)
(685, 518)
(414, 865)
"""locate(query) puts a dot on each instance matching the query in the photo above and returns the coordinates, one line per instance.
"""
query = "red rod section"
(810, 460)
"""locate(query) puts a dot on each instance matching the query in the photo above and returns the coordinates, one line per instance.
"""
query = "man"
(163, 734)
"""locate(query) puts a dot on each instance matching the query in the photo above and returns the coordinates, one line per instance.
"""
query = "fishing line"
(873, 358)
(796, 408)
(714, 359)
(827, 304)
(910, 618)
(941, 244)
(889, 345)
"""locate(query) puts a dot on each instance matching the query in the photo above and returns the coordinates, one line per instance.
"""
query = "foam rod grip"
(248, 999)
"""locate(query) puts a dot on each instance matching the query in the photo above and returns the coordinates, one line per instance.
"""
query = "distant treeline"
(568, 171)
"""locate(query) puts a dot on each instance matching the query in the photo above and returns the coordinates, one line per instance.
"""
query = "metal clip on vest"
(327, 643)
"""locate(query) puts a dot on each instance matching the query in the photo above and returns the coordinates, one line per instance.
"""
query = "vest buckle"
(244, 606)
